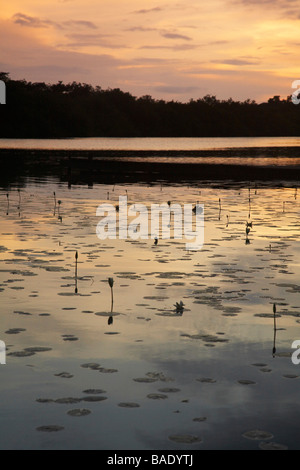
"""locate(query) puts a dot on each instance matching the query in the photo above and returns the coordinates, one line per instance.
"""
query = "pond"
(196, 350)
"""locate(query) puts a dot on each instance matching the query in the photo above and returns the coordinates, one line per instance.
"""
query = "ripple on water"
(184, 438)
(79, 412)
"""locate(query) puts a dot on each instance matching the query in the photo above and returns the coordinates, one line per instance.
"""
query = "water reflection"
(198, 319)
(76, 262)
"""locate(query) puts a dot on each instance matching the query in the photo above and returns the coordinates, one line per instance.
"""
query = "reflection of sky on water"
(219, 335)
(151, 143)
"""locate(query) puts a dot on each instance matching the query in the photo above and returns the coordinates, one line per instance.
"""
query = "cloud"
(149, 10)
(176, 90)
(280, 3)
(36, 22)
(140, 28)
(83, 40)
(176, 36)
(174, 47)
(84, 24)
(31, 21)
(235, 62)
(286, 8)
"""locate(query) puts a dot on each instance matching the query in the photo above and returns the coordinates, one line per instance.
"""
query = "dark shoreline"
(115, 167)
(239, 152)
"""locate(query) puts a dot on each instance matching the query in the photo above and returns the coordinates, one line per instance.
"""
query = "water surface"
(150, 143)
(214, 371)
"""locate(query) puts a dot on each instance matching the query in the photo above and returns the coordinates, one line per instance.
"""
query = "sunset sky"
(169, 49)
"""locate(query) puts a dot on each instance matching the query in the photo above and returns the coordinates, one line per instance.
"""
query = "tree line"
(41, 110)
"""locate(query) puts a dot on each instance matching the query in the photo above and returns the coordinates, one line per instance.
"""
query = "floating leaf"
(184, 438)
(157, 396)
(257, 434)
(129, 405)
(50, 428)
(272, 446)
(246, 382)
(79, 412)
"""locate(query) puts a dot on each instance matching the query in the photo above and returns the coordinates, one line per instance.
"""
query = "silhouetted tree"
(41, 110)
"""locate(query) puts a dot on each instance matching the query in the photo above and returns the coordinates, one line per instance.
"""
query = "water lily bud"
(110, 281)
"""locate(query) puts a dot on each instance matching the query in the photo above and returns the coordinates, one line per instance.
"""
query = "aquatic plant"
(111, 283)
(76, 261)
(179, 306)
(275, 329)
(7, 197)
(195, 208)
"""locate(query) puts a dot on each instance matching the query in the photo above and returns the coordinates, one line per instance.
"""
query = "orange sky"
(170, 49)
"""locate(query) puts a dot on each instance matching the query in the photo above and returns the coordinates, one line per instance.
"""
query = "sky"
(172, 50)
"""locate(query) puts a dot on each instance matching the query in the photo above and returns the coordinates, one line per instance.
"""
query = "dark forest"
(40, 110)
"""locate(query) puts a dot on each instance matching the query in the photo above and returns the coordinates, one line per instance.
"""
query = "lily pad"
(184, 438)
(145, 379)
(65, 375)
(45, 400)
(107, 314)
(67, 400)
(91, 365)
(21, 353)
(206, 380)
(159, 376)
(50, 428)
(129, 405)
(69, 338)
(246, 382)
(157, 396)
(14, 331)
(257, 434)
(272, 446)
(79, 412)
(93, 398)
(35, 349)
